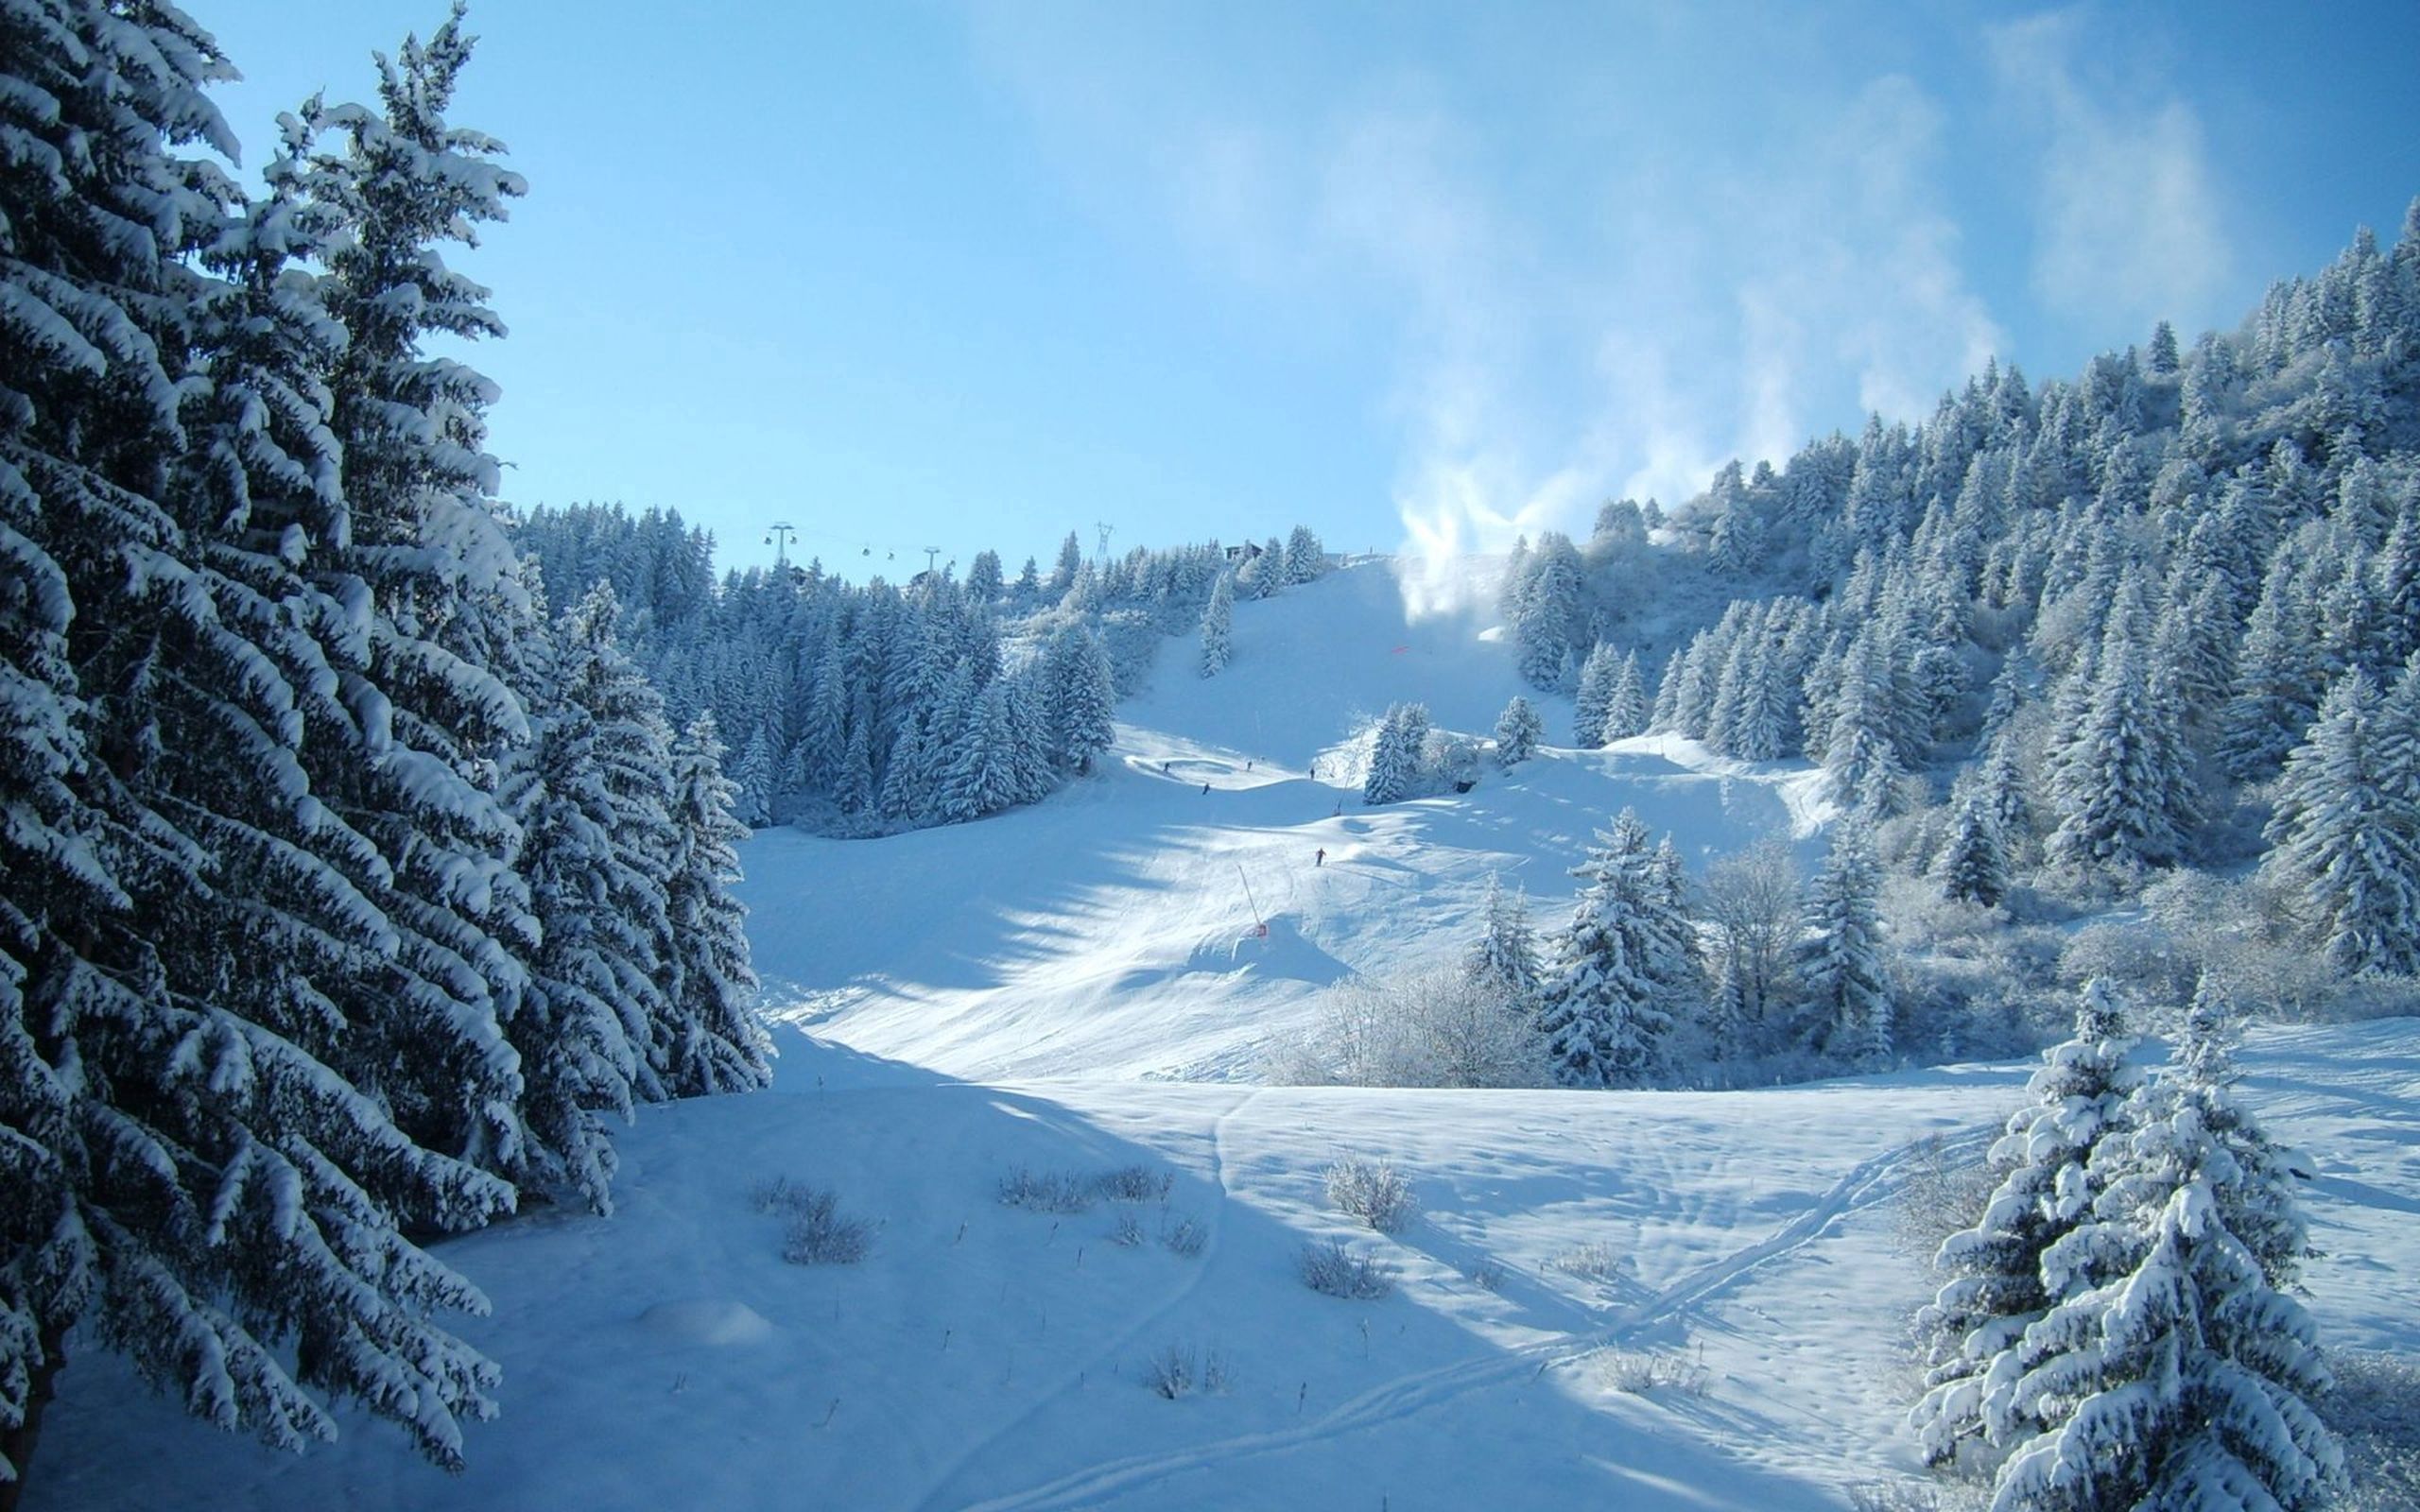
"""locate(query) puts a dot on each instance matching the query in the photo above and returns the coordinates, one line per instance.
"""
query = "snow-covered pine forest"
(351, 893)
(865, 709)
(372, 918)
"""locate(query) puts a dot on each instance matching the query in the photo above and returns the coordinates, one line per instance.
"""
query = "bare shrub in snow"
(1488, 1274)
(1182, 1236)
(2375, 1410)
(1127, 1231)
(1179, 1370)
(1132, 643)
(1435, 1027)
(1751, 901)
(1640, 1371)
(1374, 1192)
(779, 1194)
(818, 1234)
(2139, 957)
(1908, 1496)
(1134, 1183)
(1333, 1270)
(2243, 932)
(1594, 1261)
(1941, 1196)
(1922, 918)
(1045, 1191)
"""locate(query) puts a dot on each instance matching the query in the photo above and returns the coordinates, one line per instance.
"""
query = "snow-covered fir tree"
(582, 1026)
(1063, 573)
(398, 182)
(1081, 700)
(1395, 753)
(983, 582)
(1505, 959)
(1997, 1288)
(2173, 1369)
(710, 1038)
(983, 777)
(627, 759)
(1861, 758)
(1974, 866)
(1848, 994)
(2346, 832)
(1612, 977)
(1594, 697)
(189, 922)
(1306, 559)
(2116, 782)
(2263, 1209)
(1627, 705)
(1547, 618)
(2280, 678)
(1217, 627)
(1518, 729)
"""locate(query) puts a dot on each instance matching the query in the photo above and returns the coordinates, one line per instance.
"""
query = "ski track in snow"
(1391, 1401)
(1101, 1358)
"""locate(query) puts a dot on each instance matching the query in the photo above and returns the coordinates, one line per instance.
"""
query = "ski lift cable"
(866, 545)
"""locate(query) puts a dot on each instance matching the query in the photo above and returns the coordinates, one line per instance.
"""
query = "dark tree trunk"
(17, 1444)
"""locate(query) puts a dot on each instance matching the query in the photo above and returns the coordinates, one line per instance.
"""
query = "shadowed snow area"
(1006, 1001)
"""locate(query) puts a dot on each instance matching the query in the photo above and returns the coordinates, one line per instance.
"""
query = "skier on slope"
(1321, 860)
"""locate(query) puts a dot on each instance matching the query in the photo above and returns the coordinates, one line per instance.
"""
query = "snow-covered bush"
(1487, 1272)
(1906, 1496)
(777, 1195)
(1450, 761)
(1374, 1192)
(2375, 1410)
(817, 1233)
(1179, 1370)
(1045, 1191)
(2138, 956)
(2241, 932)
(1333, 1270)
(1596, 1261)
(1640, 1371)
(1134, 1183)
(1181, 1236)
(1433, 1026)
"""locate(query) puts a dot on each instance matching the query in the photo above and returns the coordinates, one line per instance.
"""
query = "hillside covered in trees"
(2148, 633)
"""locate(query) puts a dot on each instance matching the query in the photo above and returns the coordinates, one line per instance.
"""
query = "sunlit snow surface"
(1007, 995)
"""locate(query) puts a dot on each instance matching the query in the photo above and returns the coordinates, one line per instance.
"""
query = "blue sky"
(913, 274)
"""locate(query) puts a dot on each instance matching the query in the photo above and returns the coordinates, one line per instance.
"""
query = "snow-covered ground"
(961, 1005)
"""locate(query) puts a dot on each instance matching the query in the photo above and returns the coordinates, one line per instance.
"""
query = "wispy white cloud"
(1704, 300)
(2128, 227)
(1860, 273)
(1832, 261)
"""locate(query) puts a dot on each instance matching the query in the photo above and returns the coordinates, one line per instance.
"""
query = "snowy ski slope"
(1111, 930)
(960, 1005)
